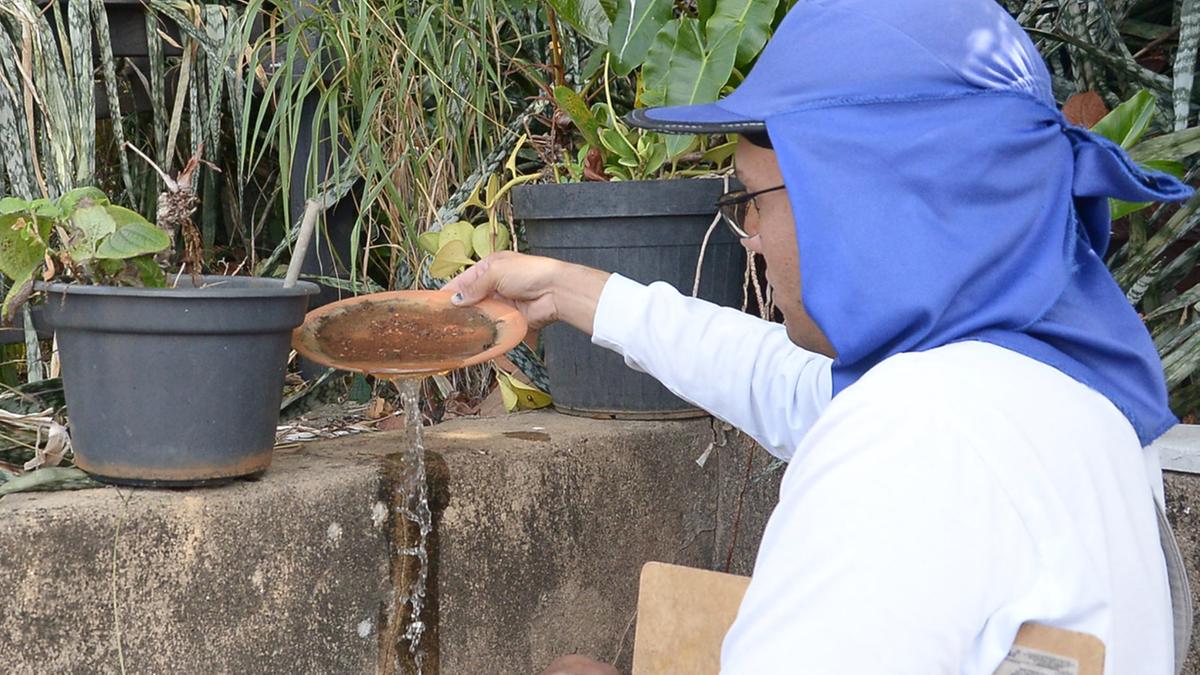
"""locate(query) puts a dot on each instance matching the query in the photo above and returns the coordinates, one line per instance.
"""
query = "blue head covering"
(939, 194)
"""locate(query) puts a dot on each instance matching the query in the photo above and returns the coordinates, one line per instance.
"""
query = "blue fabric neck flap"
(940, 196)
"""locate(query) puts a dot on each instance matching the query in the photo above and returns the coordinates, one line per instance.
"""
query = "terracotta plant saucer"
(407, 333)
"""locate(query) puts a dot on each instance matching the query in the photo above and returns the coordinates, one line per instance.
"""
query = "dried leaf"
(1085, 109)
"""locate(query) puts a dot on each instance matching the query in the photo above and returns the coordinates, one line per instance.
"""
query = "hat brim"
(706, 118)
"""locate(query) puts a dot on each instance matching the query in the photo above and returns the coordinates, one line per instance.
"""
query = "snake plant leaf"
(585, 16)
(20, 252)
(49, 478)
(1176, 145)
(1184, 74)
(450, 258)
(752, 18)
(134, 236)
(1127, 123)
(637, 22)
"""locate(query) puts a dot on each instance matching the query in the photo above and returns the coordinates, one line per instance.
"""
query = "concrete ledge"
(289, 571)
(1179, 448)
(541, 525)
(547, 522)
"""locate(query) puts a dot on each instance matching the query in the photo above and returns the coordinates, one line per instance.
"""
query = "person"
(962, 391)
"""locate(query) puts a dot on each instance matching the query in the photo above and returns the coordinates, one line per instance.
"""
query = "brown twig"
(1156, 42)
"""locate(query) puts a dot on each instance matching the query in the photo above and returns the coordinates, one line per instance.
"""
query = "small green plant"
(81, 237)
(610, 149)
(461, 243)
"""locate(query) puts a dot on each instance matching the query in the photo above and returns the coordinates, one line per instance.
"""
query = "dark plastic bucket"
(175, 387)
(644, 230)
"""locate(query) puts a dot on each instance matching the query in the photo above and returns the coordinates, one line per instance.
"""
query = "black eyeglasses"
(734, 206)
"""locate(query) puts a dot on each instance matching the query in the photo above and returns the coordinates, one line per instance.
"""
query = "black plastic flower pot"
(174, 387)
(644, 230)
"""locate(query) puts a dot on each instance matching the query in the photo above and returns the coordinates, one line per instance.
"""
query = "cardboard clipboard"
(684, 613)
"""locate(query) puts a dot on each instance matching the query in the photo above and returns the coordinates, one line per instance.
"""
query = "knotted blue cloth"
(940, 196)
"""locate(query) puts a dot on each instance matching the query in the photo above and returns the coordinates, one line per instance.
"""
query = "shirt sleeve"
(742, 369)
(890, 548)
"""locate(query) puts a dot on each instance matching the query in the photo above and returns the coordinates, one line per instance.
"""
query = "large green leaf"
(452, 257)
(577, 109)
(134, 236)
(20, 251)
(1126, 124)
(698, 71)
(11, 205)
(84, 196)
(752, 17)
(90, 225)
(637, 22)
(461, 232)
(658, 65)
(585, 16)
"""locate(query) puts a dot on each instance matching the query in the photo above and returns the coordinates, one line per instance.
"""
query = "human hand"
(544, 290)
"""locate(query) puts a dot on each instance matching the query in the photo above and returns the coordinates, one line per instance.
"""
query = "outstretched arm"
(739, 368)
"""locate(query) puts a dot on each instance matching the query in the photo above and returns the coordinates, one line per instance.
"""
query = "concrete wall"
(286, 574)
(541, 525)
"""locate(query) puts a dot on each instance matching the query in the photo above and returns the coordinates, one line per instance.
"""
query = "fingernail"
(457, 299)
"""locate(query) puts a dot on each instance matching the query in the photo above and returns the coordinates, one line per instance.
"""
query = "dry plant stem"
(556, 47)
(176, 204)
(312, 209)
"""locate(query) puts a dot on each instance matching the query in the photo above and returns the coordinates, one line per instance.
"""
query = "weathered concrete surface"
(1183, 510)
(288, 574)
(542, 540)
(748, 491)
(541, 525)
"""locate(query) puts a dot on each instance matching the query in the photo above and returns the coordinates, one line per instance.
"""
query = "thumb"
(473, 285)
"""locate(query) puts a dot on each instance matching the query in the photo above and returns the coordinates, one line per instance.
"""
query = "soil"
(396, 333)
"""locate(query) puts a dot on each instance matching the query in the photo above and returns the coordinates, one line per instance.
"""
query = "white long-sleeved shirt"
(929, 510)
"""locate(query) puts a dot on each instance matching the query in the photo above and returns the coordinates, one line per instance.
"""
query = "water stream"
(412, 501)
